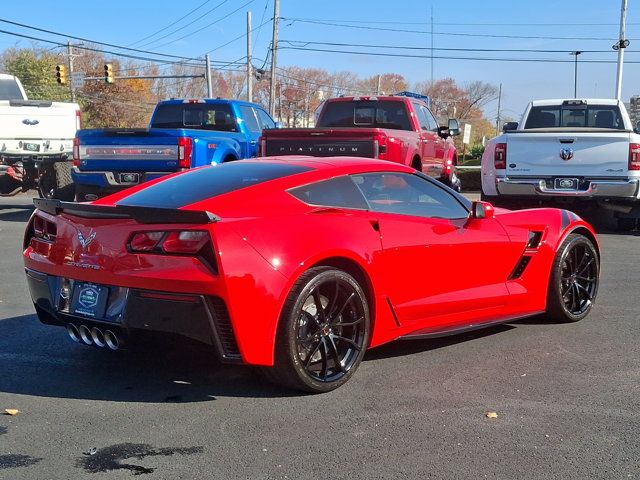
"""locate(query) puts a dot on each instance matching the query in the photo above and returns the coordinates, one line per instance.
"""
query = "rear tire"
(574, 279)
(626, 224)
(56, 182)
(323, 332)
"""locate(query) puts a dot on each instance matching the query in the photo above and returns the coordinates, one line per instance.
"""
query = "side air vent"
(534, 239)
(520, 267)
(224, 329)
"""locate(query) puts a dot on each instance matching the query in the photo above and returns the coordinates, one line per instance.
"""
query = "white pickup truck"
(36, 142)
(567, 151)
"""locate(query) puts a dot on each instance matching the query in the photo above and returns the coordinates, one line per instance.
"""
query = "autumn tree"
(36, 70)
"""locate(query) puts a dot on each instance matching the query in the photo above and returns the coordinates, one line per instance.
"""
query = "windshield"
(9, 90)
(199, 116)
(575, 116)
(372, 114)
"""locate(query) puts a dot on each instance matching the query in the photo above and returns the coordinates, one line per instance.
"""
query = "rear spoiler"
(139, 214)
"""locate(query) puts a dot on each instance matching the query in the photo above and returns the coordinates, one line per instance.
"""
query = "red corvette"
(299, 265)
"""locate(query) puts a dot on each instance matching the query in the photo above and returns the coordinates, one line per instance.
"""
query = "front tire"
(323, 332)
(574, 279)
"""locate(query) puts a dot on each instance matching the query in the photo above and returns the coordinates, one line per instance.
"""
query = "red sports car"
(299, 265)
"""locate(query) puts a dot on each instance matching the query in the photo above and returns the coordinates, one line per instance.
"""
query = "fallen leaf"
(11, 411)
(491, 415)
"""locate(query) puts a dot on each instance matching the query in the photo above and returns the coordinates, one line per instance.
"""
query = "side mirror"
(453, 126)
(443, 132)
(637, 129)
(482, 210)
(509, 126)
(278, 125)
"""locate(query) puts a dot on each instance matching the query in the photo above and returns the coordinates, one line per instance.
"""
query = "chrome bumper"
(596, 189)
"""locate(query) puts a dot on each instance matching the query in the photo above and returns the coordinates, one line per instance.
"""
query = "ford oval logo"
(28, 121)
(566, 153)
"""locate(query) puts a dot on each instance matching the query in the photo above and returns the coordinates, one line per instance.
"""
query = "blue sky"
(463, 24)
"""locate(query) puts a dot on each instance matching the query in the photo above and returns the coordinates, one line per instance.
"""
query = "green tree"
(36, 70)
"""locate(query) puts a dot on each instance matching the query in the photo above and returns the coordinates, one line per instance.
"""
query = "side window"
(265, 120)
(336, 192)
(408, 194)
(250, 119)
(422, 117)
(433, 124)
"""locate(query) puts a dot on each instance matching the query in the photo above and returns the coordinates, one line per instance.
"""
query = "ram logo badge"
(566, 153)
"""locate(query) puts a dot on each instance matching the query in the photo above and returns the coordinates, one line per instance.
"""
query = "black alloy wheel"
(574, 279)
(323, 332)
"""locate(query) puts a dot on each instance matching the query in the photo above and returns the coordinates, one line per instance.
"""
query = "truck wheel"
(573, 283)
(56, 182)
(626, 224)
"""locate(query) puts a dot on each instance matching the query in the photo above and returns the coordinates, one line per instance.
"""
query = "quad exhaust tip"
(93, 336)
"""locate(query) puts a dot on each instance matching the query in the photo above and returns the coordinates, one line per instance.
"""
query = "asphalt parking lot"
(567, 399)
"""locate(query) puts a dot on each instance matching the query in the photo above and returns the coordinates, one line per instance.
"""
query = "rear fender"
(223, 149)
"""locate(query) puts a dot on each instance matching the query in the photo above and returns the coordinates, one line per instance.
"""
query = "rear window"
(203, 183)
(372, 114)
(578, 116)
(9, 90)
(201, 116)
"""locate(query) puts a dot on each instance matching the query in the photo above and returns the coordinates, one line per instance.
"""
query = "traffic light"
(61, 74)
(108, 73)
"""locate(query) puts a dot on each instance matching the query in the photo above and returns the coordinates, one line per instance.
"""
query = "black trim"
(139, 214)
(565, 219)
(520, 267)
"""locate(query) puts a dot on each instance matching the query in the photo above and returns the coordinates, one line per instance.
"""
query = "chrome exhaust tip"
(85, 334)
(73, 333)
(111, 340)
(98, 337)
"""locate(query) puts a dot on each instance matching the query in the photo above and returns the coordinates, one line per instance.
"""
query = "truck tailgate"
(53, 121)
(129, 150)
(323, 142)
(597, 154)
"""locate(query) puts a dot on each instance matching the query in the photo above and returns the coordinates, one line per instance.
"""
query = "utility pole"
(274, 51)
(622, 44)
(378, 87)
(70, 56)
(431, 44)
(207, 75)
(498, 116)
(575, 72)
(249, 66)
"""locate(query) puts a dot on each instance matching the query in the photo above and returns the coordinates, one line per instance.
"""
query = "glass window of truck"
(373, 114)
(587, 116)
(201, 116)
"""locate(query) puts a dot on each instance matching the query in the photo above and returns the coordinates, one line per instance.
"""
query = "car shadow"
(42, 361)
(15, 213)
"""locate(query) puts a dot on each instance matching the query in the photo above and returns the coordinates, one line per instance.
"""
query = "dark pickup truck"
(397, 128)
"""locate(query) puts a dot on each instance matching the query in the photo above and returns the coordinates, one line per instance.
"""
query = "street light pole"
(621, 45)
(575, 72)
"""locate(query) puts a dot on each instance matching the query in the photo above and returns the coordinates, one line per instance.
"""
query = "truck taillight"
(78, 120)
(500, 156)
(76, 152)
(380, 142)
(185, 149)
(262, 147)
(634, 156)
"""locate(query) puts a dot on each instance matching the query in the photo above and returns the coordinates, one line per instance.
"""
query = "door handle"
(425, 141)
(253, 142)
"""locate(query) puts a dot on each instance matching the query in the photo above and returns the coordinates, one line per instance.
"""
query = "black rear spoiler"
(139, 214)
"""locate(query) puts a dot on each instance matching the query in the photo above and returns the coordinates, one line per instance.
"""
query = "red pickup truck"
(397, 128)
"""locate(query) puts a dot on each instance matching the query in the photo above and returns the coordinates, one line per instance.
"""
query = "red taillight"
(185, 149)
(381, 139)
(76, 152)
(500, 156)
(634, 156)
(43, 229)
(78, 120)
(185, 242)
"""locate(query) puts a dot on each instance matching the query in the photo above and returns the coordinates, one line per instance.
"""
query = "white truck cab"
(567, 150)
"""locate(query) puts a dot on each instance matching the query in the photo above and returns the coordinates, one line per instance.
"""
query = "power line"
(397, 55)
(304, 43)
(458, 34)
(206, 26)
(111, 45)
(264, 12)
(172, 23)
(181, 28)
(490, 24)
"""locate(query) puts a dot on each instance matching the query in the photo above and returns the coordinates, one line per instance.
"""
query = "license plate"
(129, 178)
(89, 300)
(566, 184)
(31, 147)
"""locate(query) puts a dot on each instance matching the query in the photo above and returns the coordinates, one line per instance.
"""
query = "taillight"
(185, 242)
(634, 156)
(76, 152)
(185, 149)
(78, 120)
(381, 139)
(43, 229)
(500, 156)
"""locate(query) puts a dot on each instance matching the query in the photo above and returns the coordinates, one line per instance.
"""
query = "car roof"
(589, 101)
(209, 101)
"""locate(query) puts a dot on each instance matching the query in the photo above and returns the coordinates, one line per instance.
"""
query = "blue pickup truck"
(182, 134)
